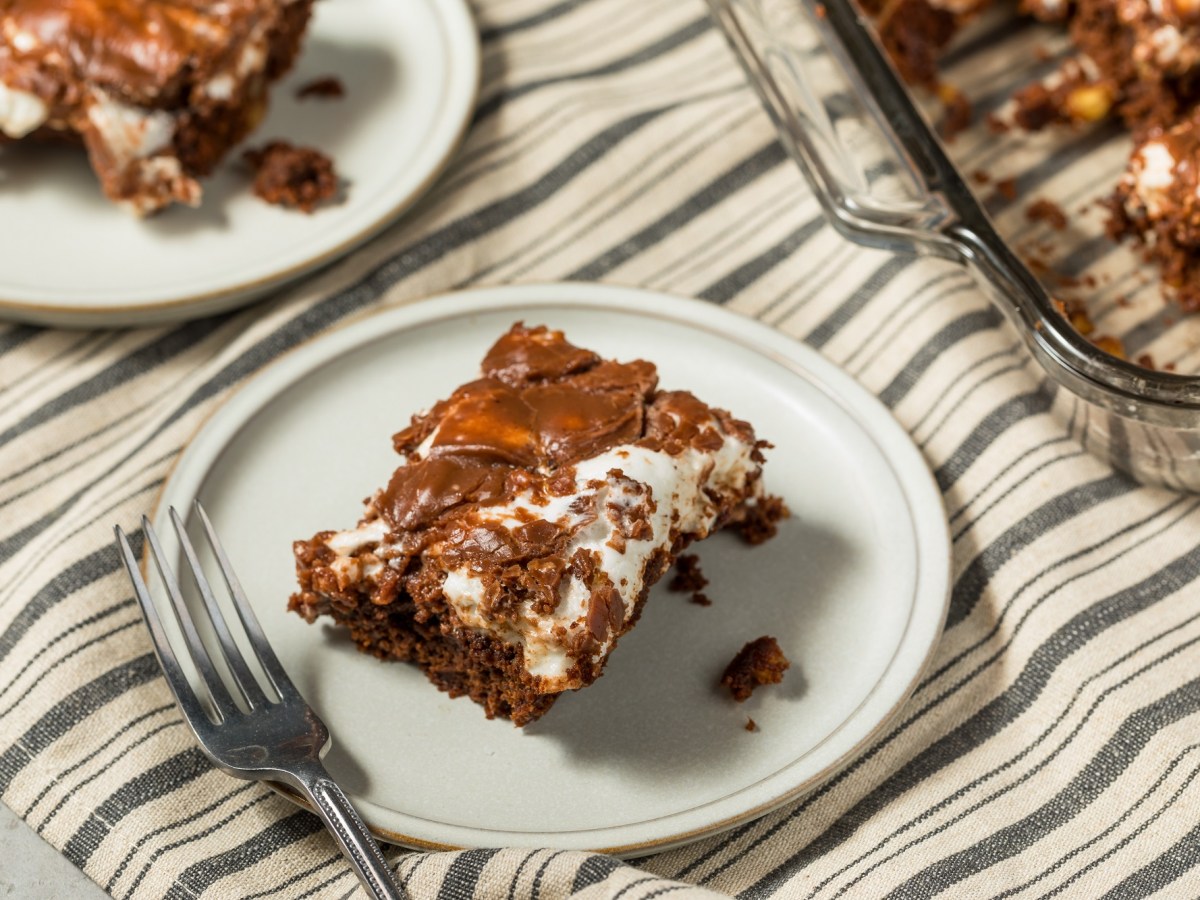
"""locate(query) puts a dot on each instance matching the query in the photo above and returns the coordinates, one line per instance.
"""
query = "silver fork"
(280, 738)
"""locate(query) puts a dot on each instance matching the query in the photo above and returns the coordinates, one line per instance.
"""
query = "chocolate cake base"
(458, 660)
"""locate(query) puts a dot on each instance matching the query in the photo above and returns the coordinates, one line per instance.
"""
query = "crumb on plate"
(327, 86)
(294, 177)
(760, 662)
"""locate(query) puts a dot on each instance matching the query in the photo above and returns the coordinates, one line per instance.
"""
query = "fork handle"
(352, 836)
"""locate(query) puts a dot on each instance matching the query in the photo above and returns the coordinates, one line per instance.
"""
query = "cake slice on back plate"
(531, 513)
(158, 91)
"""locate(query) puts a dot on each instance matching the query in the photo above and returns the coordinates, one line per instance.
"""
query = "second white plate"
(655, 753)
(411, 72)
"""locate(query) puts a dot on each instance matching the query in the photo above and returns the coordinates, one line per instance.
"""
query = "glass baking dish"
(884, 180)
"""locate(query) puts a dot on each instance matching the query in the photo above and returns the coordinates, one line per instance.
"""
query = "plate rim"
(915, 483)
(463, 37)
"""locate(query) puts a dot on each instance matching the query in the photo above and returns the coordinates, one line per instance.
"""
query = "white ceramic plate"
(653, 754)
(411, 72)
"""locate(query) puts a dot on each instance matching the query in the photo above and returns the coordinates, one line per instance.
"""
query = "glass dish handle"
(884, 180)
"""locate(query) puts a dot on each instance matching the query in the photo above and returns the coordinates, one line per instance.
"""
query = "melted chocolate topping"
(543, 404)
(419, 493)
(527, 355)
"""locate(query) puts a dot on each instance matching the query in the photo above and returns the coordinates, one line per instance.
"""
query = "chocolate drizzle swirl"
(542, 405)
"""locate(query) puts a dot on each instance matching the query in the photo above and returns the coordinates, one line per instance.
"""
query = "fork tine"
(189, 704)
(258, 640)
(200, 658)
(252, 692)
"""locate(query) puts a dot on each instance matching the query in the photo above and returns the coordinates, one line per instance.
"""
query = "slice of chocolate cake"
(158, 91)
(527, 521)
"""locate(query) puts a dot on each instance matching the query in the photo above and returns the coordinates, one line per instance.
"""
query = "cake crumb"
(956, 117)
(687, 576)
(1076, 313)
(325, 87)
(759, 522)
(1111, 345)
(1038, 266)
(759, 662)
(689, 579)
(1007, 188)
(295, 177)
(981, 177)
(1043, 210)
(1037, 106)
(1146, 361)
(751, 725)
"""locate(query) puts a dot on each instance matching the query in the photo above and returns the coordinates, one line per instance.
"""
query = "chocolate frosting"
(419, 493)
(527, 355)
(543, 404)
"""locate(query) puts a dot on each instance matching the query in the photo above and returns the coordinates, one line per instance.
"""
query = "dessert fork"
(277, 736)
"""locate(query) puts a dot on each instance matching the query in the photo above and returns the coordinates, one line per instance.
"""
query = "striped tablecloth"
(1050, 751)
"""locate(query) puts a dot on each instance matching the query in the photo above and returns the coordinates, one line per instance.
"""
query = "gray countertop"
(32, 868)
